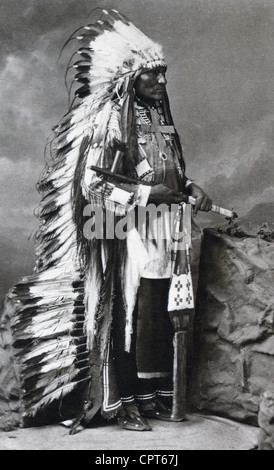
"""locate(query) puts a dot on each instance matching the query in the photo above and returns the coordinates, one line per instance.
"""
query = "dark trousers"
(151, 353)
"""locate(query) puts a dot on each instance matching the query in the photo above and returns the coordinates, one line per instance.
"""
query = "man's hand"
(161, 194)
(203, 202)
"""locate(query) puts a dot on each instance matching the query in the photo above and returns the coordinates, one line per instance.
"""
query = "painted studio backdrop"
(220, 84)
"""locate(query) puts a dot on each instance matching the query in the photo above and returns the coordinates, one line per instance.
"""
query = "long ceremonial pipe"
(188, 199)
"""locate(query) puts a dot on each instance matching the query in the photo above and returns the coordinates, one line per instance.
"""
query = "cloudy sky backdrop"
(220, 83)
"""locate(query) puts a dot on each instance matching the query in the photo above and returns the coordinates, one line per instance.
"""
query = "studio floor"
(196, 433)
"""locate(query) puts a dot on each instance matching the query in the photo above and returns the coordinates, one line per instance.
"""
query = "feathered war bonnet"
(56, 311)
(112, 53)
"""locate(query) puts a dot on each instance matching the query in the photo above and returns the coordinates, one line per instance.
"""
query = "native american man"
(91, 328)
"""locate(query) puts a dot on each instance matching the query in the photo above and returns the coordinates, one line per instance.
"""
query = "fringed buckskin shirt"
(161, 164)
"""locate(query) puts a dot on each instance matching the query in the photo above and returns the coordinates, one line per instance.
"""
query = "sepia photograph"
(137, 227)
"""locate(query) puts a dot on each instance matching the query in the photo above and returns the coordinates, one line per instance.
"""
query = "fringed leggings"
(146, 370)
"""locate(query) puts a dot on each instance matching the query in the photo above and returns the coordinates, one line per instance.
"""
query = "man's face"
(151, 85)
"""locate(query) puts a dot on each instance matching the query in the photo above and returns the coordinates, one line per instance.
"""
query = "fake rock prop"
(234, 332)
